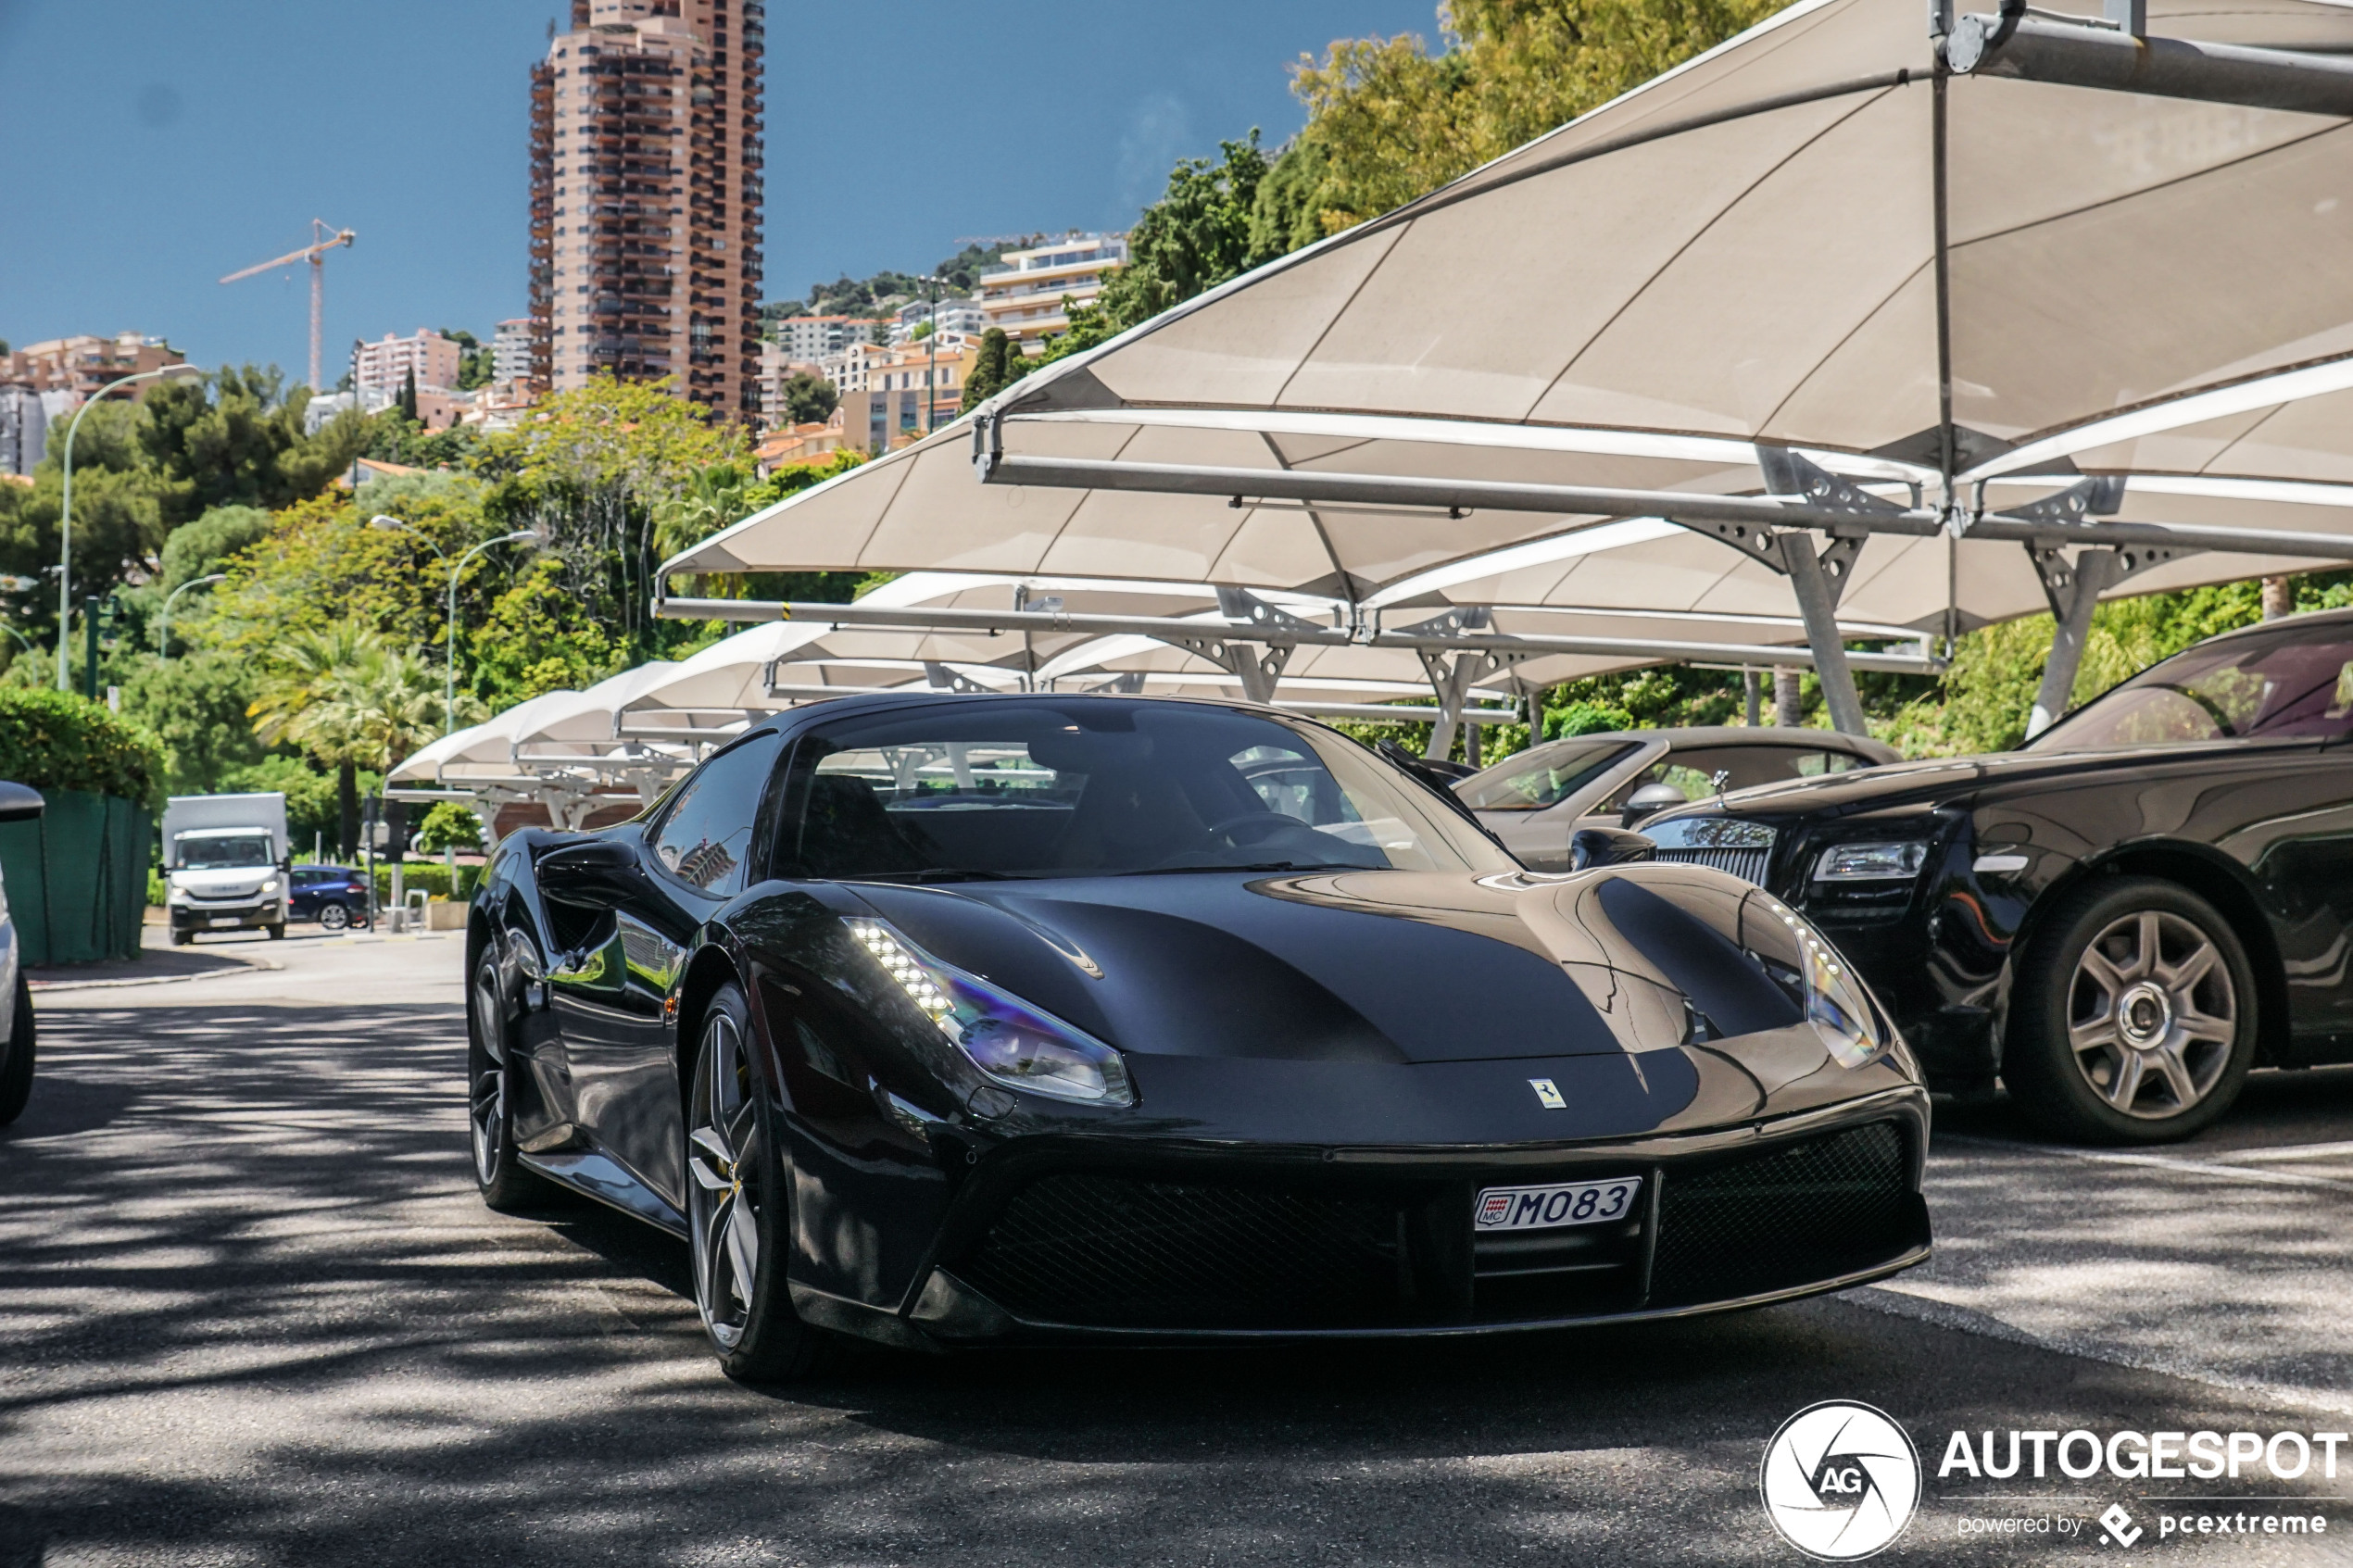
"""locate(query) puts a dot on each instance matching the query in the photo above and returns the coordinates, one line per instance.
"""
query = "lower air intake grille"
(1747, 864)
(1115, 1252)
(1807, 1211)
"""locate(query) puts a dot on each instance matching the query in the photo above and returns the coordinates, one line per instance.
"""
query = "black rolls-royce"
(951, 1019)
(2118, 920)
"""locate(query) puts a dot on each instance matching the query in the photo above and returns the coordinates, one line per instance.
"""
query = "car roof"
(1694, 737)
(874, 702)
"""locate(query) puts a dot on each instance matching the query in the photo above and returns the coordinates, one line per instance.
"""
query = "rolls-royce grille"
(1802, 1212)
(1747, 864)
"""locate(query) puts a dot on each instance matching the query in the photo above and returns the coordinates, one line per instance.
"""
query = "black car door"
(615, 999)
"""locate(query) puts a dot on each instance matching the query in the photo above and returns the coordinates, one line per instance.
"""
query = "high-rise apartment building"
(385, 366)
(645, 196)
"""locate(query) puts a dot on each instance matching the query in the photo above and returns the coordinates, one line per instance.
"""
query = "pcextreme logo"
(1840, 1480)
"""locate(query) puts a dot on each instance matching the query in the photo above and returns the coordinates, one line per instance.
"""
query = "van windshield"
(223, 854)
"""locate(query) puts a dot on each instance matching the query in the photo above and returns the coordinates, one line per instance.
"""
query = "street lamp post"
(163, 643)
(64, 526)
(450, 678)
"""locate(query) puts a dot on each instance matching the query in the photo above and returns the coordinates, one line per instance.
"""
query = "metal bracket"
(1127, 683)
(1461, 618)
(1791, 474)
(1245, 608)
(1257, 671)
(2100, 496)
(943, 679)
(1452, 684)
(989, 444)
(1750, 540)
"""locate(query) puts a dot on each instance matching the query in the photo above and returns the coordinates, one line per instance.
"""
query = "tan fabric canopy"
(1743, 250)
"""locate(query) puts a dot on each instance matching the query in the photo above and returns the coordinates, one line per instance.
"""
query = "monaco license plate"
(226, 920)
(1563, 1203)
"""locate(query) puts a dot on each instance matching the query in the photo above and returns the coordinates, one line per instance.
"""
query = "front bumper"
(1068, 1239)
(227, 917)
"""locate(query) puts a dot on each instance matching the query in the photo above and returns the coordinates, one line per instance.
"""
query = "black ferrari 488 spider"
(944, 1020)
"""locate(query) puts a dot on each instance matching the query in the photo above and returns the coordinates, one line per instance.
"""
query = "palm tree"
(308, 665)
(381, 708)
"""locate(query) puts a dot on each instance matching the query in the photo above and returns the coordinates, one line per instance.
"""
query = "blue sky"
(152, 147)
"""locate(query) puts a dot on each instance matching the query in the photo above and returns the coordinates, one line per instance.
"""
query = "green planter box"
(77, 878)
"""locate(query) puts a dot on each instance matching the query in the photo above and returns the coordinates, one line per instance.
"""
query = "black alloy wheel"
(333, 917)
(506, 1184)
(738, 1208)
(16, 1066)
(2132, 1019)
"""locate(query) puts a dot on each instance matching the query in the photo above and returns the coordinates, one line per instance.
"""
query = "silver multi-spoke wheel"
(2153, 1018)
(333, 917)
(724, 1199)
(487, 1095)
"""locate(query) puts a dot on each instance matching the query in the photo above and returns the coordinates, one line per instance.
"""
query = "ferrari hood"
(1366, 966)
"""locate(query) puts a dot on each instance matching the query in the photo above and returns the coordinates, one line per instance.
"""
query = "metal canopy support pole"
(2077, 55)
(1820, 609)
(2074, 593)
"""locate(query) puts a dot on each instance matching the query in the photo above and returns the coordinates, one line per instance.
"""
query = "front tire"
(277, 932)
(738, 1207)
(2134, 1018)
(490, 1106)
(15, 1069)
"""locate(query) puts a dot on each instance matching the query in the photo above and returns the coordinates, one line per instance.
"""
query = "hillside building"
(1024, 294)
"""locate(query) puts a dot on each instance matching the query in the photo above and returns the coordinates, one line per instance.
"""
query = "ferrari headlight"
(1835, 1005)
(1872, 862)
(1009, 1040)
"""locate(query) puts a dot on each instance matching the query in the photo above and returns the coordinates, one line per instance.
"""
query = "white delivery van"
(226, 864)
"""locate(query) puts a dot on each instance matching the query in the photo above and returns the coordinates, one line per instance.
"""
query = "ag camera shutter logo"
(1840, 1480)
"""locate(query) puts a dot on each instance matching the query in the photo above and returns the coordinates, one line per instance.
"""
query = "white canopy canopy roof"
(1743, 250)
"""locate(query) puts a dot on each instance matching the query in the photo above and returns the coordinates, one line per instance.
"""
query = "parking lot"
(256, 1315)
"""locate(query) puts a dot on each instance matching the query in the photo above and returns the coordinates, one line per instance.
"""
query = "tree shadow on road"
(255, 1313)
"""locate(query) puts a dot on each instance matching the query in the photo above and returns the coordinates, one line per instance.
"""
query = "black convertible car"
(2119, 919)
(956, 1019)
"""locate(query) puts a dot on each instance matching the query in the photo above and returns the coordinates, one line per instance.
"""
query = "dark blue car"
(336, 896)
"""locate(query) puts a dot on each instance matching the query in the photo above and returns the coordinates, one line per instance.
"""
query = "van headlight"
(1882, 861)
(1009, 1041)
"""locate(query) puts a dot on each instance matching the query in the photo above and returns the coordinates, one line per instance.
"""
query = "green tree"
(235, 438)
(449, 826)
(541, 637)
(408, 404)
(1394, 122)
(996, 366)
(198, 705)
(120, 512)
(475, 362)
(1195, 237)
(809, 398)
(291, 704)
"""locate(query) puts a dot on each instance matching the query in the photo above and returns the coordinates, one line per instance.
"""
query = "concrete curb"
(245, 966)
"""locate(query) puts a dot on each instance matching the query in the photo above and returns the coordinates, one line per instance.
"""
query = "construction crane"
(322, 240)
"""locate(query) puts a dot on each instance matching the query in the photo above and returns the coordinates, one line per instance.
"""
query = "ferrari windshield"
(1540, 776)
(1095, 786)
(2278, 684)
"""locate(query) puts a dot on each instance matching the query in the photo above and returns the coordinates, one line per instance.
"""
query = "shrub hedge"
(55, 740)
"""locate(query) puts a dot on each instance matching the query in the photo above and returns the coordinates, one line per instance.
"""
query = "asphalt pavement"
(252, 1314)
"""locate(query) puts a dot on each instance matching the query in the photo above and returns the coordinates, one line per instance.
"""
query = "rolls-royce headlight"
(1012, 1042)
(1897, 861)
